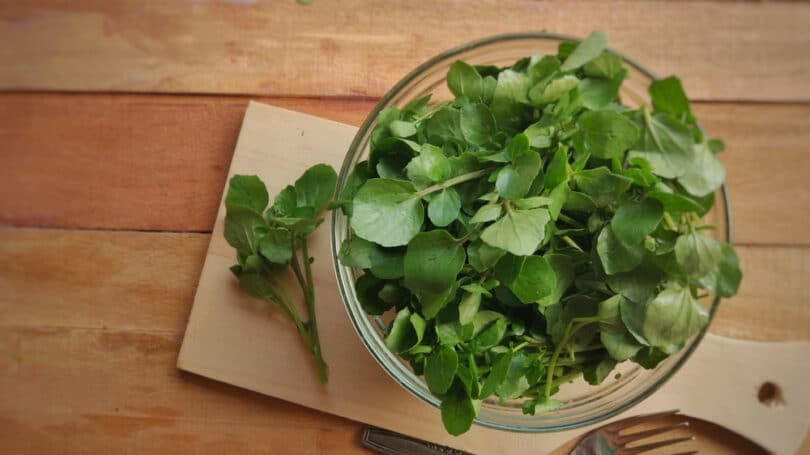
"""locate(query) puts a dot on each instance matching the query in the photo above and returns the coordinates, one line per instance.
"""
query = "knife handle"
(391, 443)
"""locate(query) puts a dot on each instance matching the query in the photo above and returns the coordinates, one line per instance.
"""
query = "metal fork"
(609, 440)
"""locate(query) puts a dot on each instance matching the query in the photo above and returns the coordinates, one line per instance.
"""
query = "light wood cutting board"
(235, 339)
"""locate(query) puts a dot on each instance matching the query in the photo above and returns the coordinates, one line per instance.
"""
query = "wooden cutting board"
(238, 340)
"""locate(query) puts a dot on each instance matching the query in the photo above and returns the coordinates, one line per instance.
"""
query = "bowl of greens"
(533, 232)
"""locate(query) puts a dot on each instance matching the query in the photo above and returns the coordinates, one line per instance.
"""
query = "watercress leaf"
(255, 285)
(491, 335)
(464, 80)
(358, 176)
(635, 220)
(668, 320)
(638, 285)
(477, 123)
(650, 357)
(416, 106)
(530, 278)
(432, 261)
(285, 202)
(468, 307)
(601, 180)
(532, 202)
(497, 374)
(564, 274)
(705, 174)
(512, 87)
(316, 187)
(676, 203)
(387, 115)
(556, 171)
(607, 134)
(401, 128)
(444, 207)
(387, 212)
(244, 228)
(557, 198)
(444, 126)
(606, 66)
(543, 68)
(541, 405)
(724, 279)
(368, 290)
(600, 93)
(666, 144)
(276, 246)
(440, 369)
(518, 146)
(667, 95)
(515, 180)
(616, 256)
(544, 93)
(431, 165)
(697, 254)
(458, 410)
(539, 135)
(247, 191)
(489, 212)
(407, 331)
(620, 344)
(515, 382)
(483, 256)
(519, 232)
(587, 50)
(596, 373)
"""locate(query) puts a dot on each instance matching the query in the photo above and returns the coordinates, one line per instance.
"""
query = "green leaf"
(285, 202)
(667, 95)
(600, 93)
(468, 307)
(520, 232)
(697, 254)
(440, 369)
(705, 174)
(635, 220)
(544, 93)
(316, 187)
(532, 202)
(539, 135)
(666, 144)
(667, 321)
(387, 212)
(618, 341)
(243, 229)
(276, 246)
(401, 128)
(616, 256)
(587, 50)
(491, 333)
(431, 165)
(477, 123)
(530, 278)
(676, 203)
(432, 261)
(385, 263)
(512, 87)
(444, 126)
(724, 279)
(515, 180)
(515, 382)
(607, 134)
(458, 410)
(368, 290)
(406, 332)
(444, 207)
(596, 373)
(606, 66)
(556, 171)
(638, 285)
(464, 80)
(486, 213)
(600, 180)
(557, 199)
(483, 256)
(564, 274)
(247, 191)
(497, 374)
(541, 405)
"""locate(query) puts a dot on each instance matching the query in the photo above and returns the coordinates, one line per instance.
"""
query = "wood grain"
(158, 162)
(723, 50)
(93, 337)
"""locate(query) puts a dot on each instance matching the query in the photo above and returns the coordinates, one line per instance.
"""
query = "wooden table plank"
(159, 162)
(723, 50)
(91, 341)
(54, 279)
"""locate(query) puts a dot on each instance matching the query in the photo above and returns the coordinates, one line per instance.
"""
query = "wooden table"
(117, 123)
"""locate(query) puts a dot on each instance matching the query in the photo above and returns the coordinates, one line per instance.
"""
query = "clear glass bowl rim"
(346, 168)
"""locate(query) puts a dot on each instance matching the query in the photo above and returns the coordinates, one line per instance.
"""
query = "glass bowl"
(584, 404)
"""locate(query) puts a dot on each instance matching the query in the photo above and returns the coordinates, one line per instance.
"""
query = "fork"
(609, 440)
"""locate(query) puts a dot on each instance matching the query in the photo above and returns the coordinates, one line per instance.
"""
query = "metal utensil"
(605, 440)
(609, 440)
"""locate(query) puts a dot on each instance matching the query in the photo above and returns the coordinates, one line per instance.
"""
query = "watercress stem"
(452, 182)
